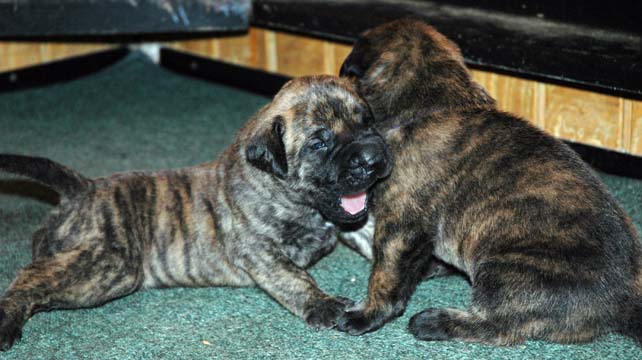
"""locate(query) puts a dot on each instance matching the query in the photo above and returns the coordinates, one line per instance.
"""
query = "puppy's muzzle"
(367, 160)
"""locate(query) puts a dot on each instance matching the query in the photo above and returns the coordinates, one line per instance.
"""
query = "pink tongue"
(353, 204)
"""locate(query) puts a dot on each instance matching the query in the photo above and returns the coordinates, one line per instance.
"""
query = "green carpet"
(135, 115)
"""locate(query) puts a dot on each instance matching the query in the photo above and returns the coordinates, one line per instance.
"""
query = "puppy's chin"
(346, 220)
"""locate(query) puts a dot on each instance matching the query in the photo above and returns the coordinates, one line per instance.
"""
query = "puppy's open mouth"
(355, 203)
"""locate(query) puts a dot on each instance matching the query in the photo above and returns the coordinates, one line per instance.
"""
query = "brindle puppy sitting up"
(260, 214)
(550, 254)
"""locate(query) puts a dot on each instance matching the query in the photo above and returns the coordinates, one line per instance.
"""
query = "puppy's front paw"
(10, 331)
(357, 323)
(323, 313)
(357, 306)
(359, 320)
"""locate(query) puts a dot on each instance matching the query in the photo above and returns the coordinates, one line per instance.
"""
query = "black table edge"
(569, 55)
(60, 70)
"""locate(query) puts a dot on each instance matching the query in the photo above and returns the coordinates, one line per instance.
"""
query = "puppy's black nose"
(364, 162)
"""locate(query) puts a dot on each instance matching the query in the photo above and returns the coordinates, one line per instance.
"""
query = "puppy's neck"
(412, 115)
(448, 85)
(436, 86)
(390, 125)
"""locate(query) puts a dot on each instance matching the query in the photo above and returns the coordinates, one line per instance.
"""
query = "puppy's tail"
(60, 178)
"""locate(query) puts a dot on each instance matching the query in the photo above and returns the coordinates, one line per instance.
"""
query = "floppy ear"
(267, 150)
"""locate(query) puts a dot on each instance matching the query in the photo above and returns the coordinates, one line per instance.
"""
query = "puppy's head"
(406, 64)
(316, 138)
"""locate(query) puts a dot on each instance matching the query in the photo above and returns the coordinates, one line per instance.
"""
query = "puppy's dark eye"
(317, 144)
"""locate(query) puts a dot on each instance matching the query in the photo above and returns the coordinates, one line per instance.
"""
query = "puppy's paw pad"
(428, 325)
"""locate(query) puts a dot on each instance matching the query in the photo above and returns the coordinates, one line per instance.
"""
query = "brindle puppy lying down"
(260, 214)
(549, 253)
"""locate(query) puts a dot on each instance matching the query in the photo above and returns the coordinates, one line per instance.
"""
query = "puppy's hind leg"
(76, 278)
(512, 302)
(452, 324)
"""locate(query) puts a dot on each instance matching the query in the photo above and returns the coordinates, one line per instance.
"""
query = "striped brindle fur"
(548, 251)
(264, 211)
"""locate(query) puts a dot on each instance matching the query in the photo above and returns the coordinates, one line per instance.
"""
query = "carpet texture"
(135, 115)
